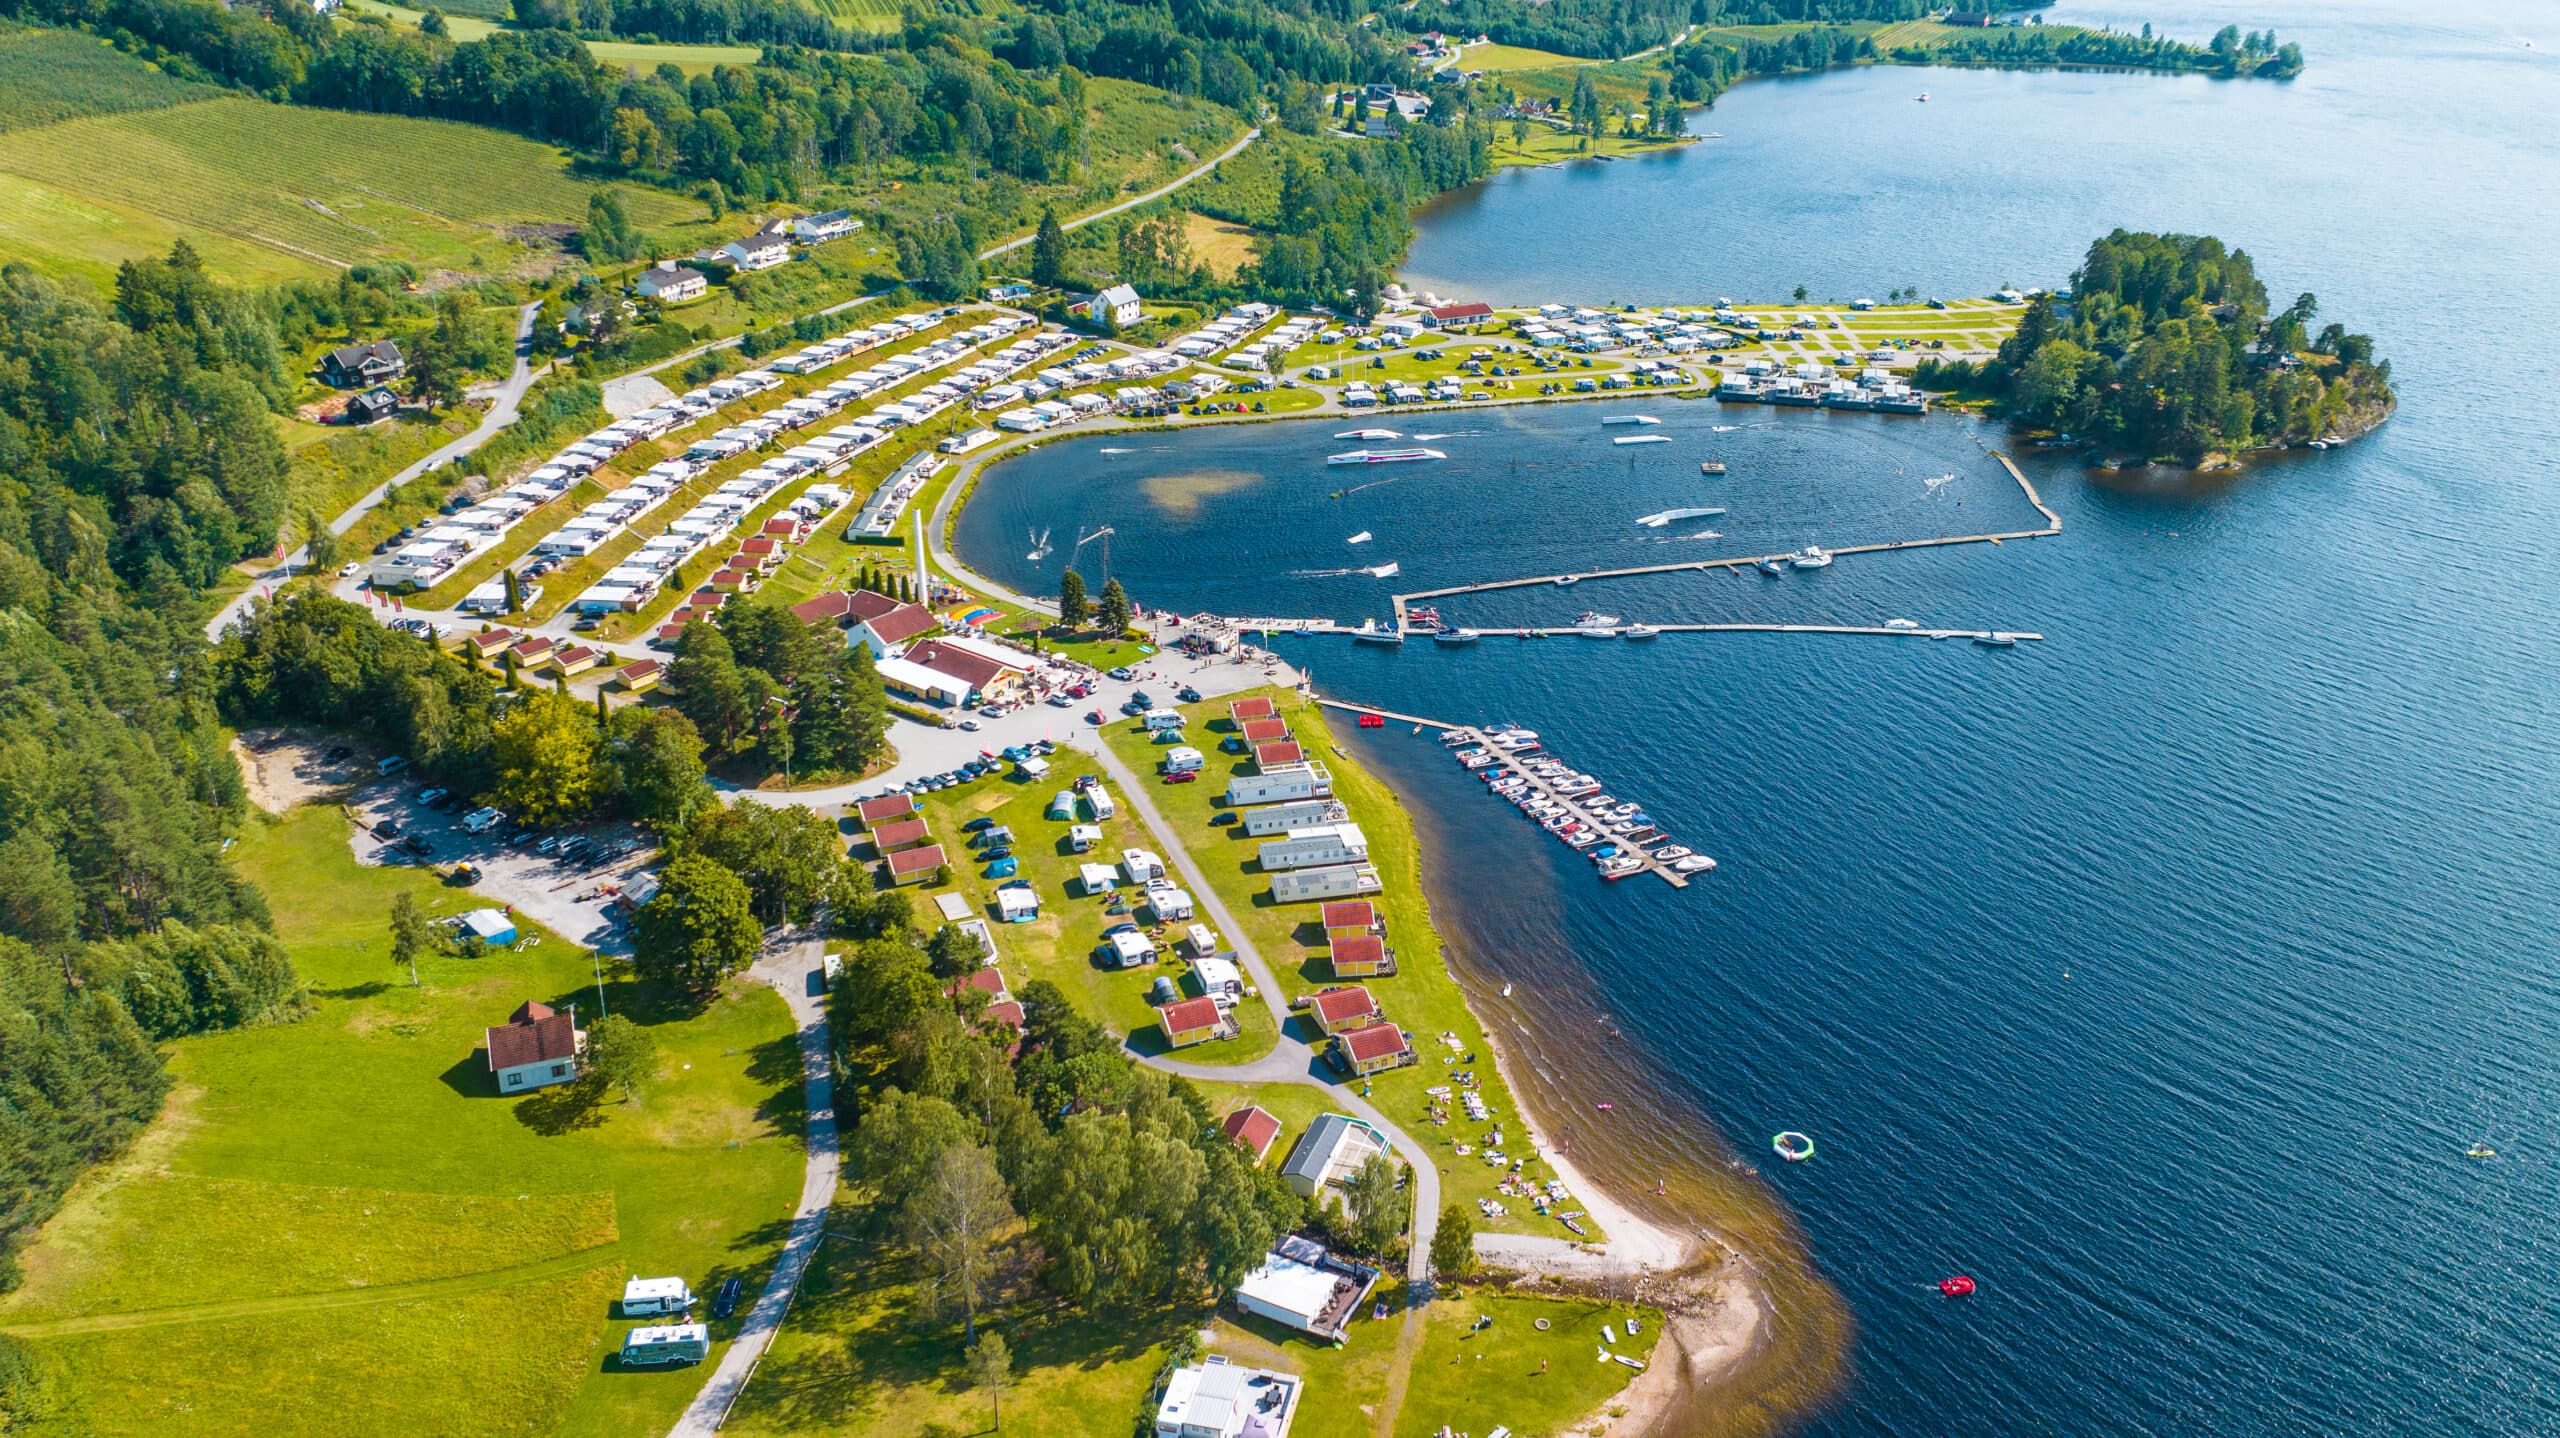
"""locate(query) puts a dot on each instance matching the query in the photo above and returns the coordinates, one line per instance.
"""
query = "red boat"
(1372, 721)
(1958, 1286)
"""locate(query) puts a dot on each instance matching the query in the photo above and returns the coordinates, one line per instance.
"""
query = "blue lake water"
(2157, 974)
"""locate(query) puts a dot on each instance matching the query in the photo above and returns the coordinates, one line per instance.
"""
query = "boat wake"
(1040, 547)
(1115, 451)
(1383, 571)
(1373, 484)
(1704, 534)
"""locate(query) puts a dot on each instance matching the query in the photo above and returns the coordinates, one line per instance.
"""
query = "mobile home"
(1309, 848)
(1282, 818)
(1339, 881)
(1281, 784)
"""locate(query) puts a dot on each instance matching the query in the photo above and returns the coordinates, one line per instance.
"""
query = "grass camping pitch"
(342, 1196)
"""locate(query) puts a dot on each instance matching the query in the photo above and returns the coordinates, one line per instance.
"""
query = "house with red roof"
(1252, 707)
(536, 1047)
(822, 609)
(639, 676)
(1265, 731)
(488, 642)
(916, 866)
(899, 834)
(883, 625)
(1374, 1049)
(1362, 956)
(1470, 313)
(1339, 1011)
(875, 812)
(1192, 1021)
(991, 679)
(1349, 916)
(1253, 1129)
(1284, 751)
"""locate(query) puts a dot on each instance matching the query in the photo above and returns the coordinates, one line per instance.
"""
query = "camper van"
(1098, 799)
(1159, 720)
(658, 1347)
(649, 1297)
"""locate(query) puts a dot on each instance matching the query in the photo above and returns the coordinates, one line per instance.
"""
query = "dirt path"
(562, 1265)
(283, 767)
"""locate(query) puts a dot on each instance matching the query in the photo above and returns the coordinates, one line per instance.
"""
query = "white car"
(481, 821)
(969, 726)
(348, 569)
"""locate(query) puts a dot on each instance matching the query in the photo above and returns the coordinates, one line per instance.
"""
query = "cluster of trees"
(759, 681)
(1110, 613)
(2229, 53)
(2165, 347)
(1116, 1175)
(1344, 212)
(311, 658)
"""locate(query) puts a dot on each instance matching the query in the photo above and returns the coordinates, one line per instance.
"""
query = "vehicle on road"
(970, 726)
(1124, 673)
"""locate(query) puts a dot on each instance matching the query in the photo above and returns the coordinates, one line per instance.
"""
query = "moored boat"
(1384, 456)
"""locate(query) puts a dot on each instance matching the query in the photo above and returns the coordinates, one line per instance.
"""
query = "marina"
(1616, 835)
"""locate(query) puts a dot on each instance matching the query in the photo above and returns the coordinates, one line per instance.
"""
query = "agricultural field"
(48, 76)
(880, 16)
(1223, 245)
(1516, 57)
(335, 1227)
(692, 59)
(278, 191)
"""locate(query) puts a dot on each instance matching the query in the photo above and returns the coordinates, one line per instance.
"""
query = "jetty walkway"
(1508, 763)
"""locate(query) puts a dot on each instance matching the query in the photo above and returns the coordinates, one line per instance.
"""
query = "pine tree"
(1073, 607)
(1114, 609)
(515, 593)
(1049, 251)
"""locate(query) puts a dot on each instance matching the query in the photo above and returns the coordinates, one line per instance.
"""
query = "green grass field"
(692, 59)
(336, 1228)
(48, 76)
(271, 191)
(1423, 998)
(880, 16)
(1516, 57)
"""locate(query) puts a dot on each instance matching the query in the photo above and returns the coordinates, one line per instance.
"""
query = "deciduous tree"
(952, 1220)
(620, 1054)
(545, 755)
(700, 928)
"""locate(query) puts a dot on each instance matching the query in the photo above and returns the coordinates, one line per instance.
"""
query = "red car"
(1183, 776)
(1095, 717)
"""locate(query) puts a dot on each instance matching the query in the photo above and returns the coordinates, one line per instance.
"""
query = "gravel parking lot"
(569, 893)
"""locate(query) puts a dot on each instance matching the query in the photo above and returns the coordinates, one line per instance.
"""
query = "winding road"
(509, 399)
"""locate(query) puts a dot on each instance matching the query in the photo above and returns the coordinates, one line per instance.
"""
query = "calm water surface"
(2156, 975)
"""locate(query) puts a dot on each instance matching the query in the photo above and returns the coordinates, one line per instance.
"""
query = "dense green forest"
(2165, 347)
(137, 456)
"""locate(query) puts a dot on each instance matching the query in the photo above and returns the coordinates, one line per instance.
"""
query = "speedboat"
(1591, 617)
(1811, 557)
(1995, 640)
(1383, 456)
(1642, 631)
(1562, 580)
(1669, 852)
(1372, 633)
(1711, 467)
(1368, 434)
(1455, 636)
(1694, 864)
(1770, 566)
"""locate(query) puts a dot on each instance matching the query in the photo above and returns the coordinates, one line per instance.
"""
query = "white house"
(1281, 818)
(1327, 1153)
(818, 229)
(762, 250)
(670, 283)
(1301, 1286)
(536, 1047)
(1219, 1399)
(1120, 303)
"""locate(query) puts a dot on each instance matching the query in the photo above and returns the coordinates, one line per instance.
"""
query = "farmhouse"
(1119, 304)
(670, 283)
(1328, 1151)
(536, 1047)
(359, 366)
(762, 250)
(1302, 1286)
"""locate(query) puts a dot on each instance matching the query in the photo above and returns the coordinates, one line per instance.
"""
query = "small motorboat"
(1711, 467)
(1368, 434)
(1901, 624)
(1642, 631)
(1811, 557)
(1792, 1146)
(2479, 1150)
(1995, 640)
(1562, 580)
(1769, 566)
(1642, 439)
(1956, 1285)
(1456, 636)
(1604, 1107)
(1694, 864)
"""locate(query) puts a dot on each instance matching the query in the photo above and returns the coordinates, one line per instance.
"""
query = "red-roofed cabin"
(1471, 312)
(1362, 956)
(639, 675)
(823, 609)
(1253, 1129)
(988, 978)
(1353, 916)
(1374, 1049)
(1265, 731)
(1004, 1011)
(916, 866)
(1256, 707)
(488, 642)
(901, 834)
(874, 812)
(1191, 1021)
(1267, 756)
(1339, 1011)
(532, 649)
(787, 529)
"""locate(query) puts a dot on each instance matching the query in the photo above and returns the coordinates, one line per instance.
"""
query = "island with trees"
(2164, 348)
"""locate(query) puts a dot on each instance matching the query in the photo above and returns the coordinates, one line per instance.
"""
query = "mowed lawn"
(1423, 997)
(338, 1227)
(1059, 945)
(273, 191)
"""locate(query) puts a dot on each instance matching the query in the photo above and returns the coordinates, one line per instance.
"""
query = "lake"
(2157, 975)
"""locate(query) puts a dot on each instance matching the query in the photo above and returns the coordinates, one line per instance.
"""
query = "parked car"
(387, 829)
(1060, 701)
(1124, 673)
(970, 726)
(1183, 776)
(978, 824)
(417, 844)
(726, 1303)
